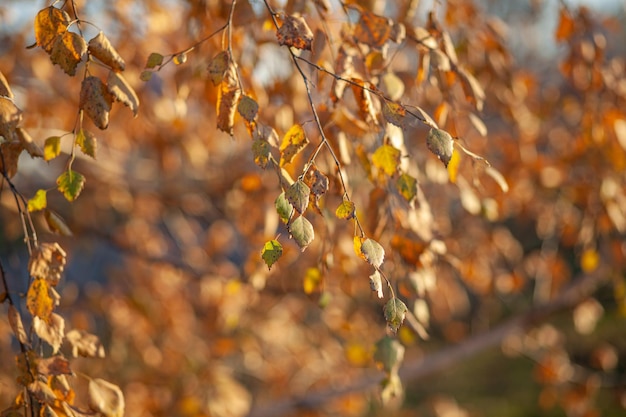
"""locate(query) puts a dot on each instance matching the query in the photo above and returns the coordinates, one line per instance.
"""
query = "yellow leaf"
(293, 142)
(49, 23)
(387, 158)
(312, 280)
(589, 260)
(453, 166)
(87, 142)
(357, 242)
(51, 148)
(38, 201)
(38, 299)
(345, 210)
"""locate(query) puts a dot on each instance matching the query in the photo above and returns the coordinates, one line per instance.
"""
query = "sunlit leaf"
(180, 59)
(373, 30)
(389, 354)
(298, 195)
(295, 32)
(407, 186)
(364, 100)
(67, 51)
(106, 398)
(356, 245)
(293, 142)
(38, 299)
(227, 99)
(70, 184)
(272, 250)
(56, 224)
(122, 91)
(5, 89)
(39, 201)
(441, 144)
(453, 166)
(248, 108)
(317, 181)
(87, 142)
(392, 86)
(154, 60)
(96, 101)
(42, 392)
(387, 158)
(373, 252)
(101, 48)
(15, 320)
(566, 26)
(302, 232)
(52, 148)
(376, 283)
(49, 23)
(346, 210)
(283, 207)
(395, 312)
(478, 124)
(218, 66)
(312, 280)
(10, 116)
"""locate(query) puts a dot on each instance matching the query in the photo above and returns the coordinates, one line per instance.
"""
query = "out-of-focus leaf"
(227, 99)
(47, 262)
(261, 152)
(218, 66)
(392, 390)
(248, 108)
(15, 320)
(346, 210)
(283, 207)
(589, 260)
(51, 331)
(180, 59)
(441, 144)
(392, 86)
(302, 232)
(101, 48)
(28, 143)
(395, 312)
(376, 284)
(423, 37)
(38, 201)
(5, 89)
(87, 142)
(389, 354)
(145, 76)
(42, 392)
(373, 252)
(364, 100)
(498, 178)
(448, 47)
(10, 116)
(474, 93)
(453, 166)
(298, 196)
(387, 158)
(478, 124)
(394, 114)
(122, 91)
(272, 250)
(70, 184)
(51, 148)
(293, 142)
(154, 60)
(106, 398)
(566, 27)
(373, 30)
(312, 280)
(407, 187)
(439, 60)
(67, 51)
(49, 23)
(96, 101)
(295, 32)
(54, 366)
(38, 299)
(56, 223)
(85, 344)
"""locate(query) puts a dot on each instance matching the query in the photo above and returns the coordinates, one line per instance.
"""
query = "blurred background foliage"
(164, 262)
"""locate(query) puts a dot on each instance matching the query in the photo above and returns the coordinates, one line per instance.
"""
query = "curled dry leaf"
(49, 23)
(373, 30)
(376, 284)
(28, 143)
(227, 99)
(372, 252)
(42, 392)
(106, 398)
(47, 262)
(39, 300)
(474, 93)
(67, 51)
(54, 366)
(101, 48)
(85, 344)
(295, 32)
(5, 89)
(96, 101)
(52, 331)
(56, 224)
(122, 91)
(10, 155)
(15, 320)
(10, 116)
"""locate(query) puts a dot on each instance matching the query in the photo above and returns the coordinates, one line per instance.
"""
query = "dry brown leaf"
(96, 101)
(85, 344)
(54, 366)
(218, 66)
(364, 100)
(28, 143)
(10, 155)
(295, 32)
(227, 100)
(42, 392)
(49, 23)
(67, 51)
(15, 320)
(5, 89)
(106, 398)
(10, 116)
(52, 332)
(47, 262)
(101, 48)
(122, 91)
(373, 30)
(474, 93)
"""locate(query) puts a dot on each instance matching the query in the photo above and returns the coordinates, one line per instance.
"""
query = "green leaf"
(145, 75)
(261, 152)
(248, 108)
(70, 184)
(38, 202)
(395, 312)
(302, 232)
(154, 60)
(87, 142)
(298, 196)
(441, 144)
(272, 250)
(395, 114)
(283, 208)
(217, 67)
(345, 210)
(389, 354)
(51, 148)
(407, 187)
(387, 158)
(373, 252)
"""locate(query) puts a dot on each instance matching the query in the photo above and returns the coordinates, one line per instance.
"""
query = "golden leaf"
(387, 158)
(106, 398)
(67, 51)
(49, 23)
(293, 142)
(227, 99)
(39, 300)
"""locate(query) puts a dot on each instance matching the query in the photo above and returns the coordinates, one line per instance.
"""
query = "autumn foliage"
(222, 208)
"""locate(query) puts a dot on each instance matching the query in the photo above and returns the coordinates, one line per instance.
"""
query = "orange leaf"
(295, 32)
(38, 299)
(373, 30)
(49, 23)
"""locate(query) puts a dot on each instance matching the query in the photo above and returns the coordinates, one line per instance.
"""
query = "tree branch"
(581, 288)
